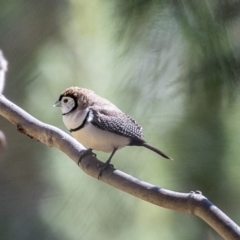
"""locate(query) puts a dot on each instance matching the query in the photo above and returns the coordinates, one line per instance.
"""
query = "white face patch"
(67, 104)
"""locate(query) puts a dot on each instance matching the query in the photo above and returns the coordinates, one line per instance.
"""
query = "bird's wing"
(117, 122)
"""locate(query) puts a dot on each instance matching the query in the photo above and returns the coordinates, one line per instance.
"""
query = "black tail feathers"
(156, 150)
(141, 142)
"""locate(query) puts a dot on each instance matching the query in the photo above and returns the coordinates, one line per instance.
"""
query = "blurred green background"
(174, 66)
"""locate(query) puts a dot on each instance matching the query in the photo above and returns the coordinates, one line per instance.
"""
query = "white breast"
(100, 140)
(91, 136)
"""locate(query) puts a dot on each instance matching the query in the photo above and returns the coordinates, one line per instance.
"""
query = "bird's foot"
(86, 152)
(196, 192)
(103, 167)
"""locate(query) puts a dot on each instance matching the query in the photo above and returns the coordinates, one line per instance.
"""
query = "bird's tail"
(156, 150)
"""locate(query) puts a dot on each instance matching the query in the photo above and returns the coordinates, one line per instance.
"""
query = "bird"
(98, 124)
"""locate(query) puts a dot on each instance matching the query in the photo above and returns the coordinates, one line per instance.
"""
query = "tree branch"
(194, 202)
(3, 70)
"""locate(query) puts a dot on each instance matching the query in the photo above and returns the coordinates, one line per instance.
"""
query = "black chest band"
(82, 125)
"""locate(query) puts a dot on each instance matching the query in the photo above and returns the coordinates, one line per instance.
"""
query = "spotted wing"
(118, 123)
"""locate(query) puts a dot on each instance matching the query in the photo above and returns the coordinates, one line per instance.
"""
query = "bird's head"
(74, 98)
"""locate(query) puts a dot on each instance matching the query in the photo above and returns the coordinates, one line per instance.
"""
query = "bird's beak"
(57, 104)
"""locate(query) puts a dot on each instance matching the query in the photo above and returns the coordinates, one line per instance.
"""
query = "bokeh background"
(172, 65)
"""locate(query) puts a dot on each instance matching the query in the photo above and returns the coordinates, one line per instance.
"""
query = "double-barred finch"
(98, 124)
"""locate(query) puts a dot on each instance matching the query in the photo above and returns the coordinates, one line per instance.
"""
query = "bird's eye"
(65, 100)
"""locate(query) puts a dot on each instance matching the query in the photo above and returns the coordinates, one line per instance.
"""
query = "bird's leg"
(107, 163)
(86, 152)
(110, 158)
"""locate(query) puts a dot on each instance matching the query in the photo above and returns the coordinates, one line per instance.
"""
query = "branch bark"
(193, 203)
(3, 70)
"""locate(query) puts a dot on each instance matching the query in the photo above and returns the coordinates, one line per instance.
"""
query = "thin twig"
(3, 70)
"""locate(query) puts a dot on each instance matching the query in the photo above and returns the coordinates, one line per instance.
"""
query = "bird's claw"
(103, 167)
(86, 152)
(196, 192)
